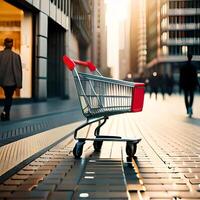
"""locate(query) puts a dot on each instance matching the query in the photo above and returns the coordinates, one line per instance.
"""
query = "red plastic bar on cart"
(137, 97)
(88, 64)
(72, 63)
(69, 62)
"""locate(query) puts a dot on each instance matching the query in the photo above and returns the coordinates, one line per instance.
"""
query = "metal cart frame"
(101, 97)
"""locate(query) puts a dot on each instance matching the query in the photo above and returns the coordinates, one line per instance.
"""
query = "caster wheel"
(97, 145)
(131, 149)
(78, 149)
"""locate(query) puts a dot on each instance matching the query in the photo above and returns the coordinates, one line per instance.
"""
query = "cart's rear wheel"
(131, 149)
(97, 145)
(78, 149)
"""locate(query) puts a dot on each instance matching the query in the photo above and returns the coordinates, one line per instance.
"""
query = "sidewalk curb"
(25, 128)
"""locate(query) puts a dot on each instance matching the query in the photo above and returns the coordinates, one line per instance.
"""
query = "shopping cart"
(101, 97)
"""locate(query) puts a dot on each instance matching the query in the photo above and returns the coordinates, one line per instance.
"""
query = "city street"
(166, 165)
(73, 77)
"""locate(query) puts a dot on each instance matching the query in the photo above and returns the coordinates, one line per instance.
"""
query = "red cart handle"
(72, 63)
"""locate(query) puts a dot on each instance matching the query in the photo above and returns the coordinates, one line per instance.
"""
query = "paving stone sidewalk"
(169, 157)
(166, 166)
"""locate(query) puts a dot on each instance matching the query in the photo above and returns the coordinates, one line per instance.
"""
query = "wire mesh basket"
(101, 96)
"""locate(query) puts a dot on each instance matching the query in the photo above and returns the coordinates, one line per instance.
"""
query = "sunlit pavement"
(169, 155)
(166, 166)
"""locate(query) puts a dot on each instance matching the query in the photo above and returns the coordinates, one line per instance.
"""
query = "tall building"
(138, 37)
(124, 47)
(152, 34)
(99, 36)
(43, 31)
(172, 31)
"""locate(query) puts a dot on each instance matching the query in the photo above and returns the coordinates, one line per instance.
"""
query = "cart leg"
(78, 148)
(97, 145)
(97, 130)
(131, 149)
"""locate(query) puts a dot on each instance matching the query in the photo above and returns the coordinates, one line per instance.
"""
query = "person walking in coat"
(10, 75)
(188, 82)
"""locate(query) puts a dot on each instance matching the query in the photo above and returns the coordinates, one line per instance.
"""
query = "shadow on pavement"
(194, 121)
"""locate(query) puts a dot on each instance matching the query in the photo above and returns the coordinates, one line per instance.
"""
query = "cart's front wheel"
(78, 149)
(97, 145)
(131, 149)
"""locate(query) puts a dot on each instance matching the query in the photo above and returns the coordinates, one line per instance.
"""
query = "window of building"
(184, 19)
(184, 34)
(197, 19)
(164, 23)
(164, 9)
(175, 50)
(164, 36)
(165, 50)
(171, 5)
(61, 4)
(184, 50)
(184, 4)
(64, 7)
(194, 49)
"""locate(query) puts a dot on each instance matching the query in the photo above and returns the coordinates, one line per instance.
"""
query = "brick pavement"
(17, 152)
(169, 159)
(167, 165)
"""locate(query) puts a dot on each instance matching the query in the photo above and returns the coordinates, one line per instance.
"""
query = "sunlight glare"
(116, 10)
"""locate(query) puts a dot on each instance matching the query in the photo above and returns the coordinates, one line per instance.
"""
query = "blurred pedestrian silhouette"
(10, 75)
(162, 85)
(188, 83)
(153, 84)
(169, 84)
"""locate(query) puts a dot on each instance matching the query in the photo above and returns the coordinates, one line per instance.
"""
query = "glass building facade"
(175, 30)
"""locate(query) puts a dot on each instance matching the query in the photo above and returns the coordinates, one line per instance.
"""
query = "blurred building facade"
(99, 36)
(124, 41)
(43, 31)
(124, 47)
(138, 43)
(173, 29)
